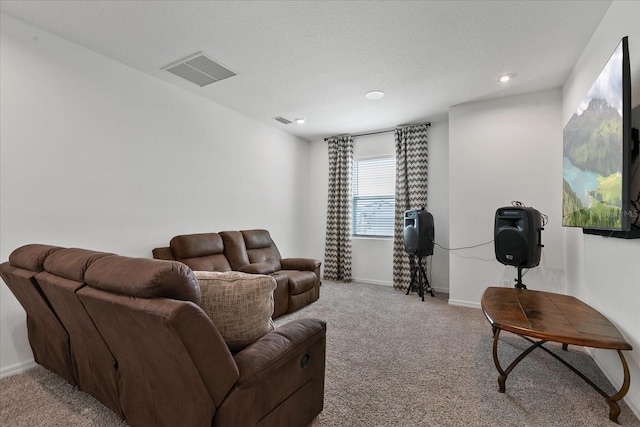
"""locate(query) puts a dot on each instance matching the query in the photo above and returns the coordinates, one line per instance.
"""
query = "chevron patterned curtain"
(411, 193)
(337, 253)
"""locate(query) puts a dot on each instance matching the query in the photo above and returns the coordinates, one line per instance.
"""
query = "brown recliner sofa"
(136, 339)
(249, 251)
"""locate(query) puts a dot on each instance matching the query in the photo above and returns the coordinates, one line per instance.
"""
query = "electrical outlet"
(506, 283)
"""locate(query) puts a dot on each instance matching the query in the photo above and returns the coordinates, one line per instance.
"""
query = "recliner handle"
(304, 361)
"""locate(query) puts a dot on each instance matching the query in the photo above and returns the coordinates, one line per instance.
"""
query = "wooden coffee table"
(545, 316)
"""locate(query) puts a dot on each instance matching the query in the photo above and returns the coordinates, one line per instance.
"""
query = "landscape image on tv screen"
(592, 156)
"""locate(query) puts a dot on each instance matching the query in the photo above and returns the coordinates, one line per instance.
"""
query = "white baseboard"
(386, 283)
(441, 290)
(464, 303)
(371, 281)
(17, 368)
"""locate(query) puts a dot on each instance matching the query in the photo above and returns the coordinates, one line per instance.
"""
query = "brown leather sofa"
(129, 331)
(249, 251)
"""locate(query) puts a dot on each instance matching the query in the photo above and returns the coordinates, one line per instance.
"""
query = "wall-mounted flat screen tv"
(597, 152)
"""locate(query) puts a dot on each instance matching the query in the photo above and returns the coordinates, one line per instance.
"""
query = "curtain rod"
(387, 130)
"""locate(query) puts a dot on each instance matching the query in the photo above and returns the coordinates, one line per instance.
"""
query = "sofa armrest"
(263, 359)
(304, 264)
(257, 268)
(163, 253)
(281, 378)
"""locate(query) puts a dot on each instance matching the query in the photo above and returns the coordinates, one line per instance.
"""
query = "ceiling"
(317, 59)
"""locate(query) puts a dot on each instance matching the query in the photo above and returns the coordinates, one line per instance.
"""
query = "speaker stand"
(519, 283)
(419, 281)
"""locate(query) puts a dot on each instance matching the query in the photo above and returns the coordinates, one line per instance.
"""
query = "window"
(373, 196)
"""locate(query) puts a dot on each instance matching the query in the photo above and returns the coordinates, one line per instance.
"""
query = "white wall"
(372, 258)
(438, 201)
(500, 151)
(318, 191)
(604, 272)
(95, 154)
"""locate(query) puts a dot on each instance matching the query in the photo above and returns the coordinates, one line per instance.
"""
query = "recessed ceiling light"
(374, 94)
(506, 78)
(299, 120)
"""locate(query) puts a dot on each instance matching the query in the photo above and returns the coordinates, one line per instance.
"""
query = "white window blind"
(373, 196)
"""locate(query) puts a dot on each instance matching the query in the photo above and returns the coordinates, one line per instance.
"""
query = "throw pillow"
(239, 304)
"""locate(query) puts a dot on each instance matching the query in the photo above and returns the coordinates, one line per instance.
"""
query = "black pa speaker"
(517, 236)
(418, 232)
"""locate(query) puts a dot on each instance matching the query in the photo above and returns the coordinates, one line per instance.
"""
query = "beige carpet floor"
(392, 360)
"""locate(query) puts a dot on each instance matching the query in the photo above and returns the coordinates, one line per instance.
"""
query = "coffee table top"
(551, 317)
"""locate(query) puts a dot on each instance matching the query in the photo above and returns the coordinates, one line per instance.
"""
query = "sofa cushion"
(196, 245)
(235, 249)
(72, 263)
(143, 278)
(204, 251)
(239, 304)
(257, 269)
(31, 257)
(299, 281)
(261, 249)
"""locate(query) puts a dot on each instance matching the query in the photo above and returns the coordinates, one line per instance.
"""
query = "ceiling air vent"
(282, 120)
(199, 69)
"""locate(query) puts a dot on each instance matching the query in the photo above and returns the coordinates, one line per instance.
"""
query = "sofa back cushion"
(261, 249)
(72, 263)
(234, 249)
(144, 278)
(204, 251)
(31, 257)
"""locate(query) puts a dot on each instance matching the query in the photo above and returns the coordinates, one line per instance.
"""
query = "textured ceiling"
(316, 59)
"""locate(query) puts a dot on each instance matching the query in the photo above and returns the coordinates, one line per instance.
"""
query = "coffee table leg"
(614, 409)
(612, 401)
(502, 378)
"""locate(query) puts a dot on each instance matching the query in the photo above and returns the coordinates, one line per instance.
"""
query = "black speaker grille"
(511, 246)
(411, 240)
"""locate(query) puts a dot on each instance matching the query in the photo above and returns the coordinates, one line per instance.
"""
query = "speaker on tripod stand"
(418, 237)
(518, 238)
